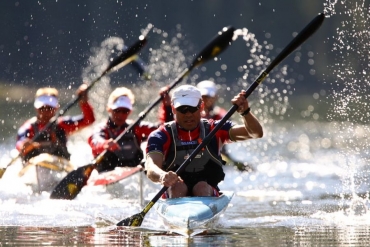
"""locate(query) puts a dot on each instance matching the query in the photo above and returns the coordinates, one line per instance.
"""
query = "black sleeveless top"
(207, 164)
(53, 141)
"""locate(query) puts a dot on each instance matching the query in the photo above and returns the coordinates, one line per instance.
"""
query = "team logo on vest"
(198, 156)
(188, 143)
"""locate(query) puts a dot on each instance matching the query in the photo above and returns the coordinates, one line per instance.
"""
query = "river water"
(307, 182)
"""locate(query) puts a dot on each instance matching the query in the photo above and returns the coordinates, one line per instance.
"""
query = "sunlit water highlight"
(309, 180)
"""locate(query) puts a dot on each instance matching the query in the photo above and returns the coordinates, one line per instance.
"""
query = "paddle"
(72, 184)
(137, 219)
(126, 57)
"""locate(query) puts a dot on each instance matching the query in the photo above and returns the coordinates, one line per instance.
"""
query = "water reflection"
(75, 236)
(249, 236)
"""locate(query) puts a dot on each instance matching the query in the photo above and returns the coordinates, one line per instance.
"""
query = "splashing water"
(351, 48)
(349, 99)
(164, 64)
(272, 97)
(99, 60)
(329, 7)
(350, 82)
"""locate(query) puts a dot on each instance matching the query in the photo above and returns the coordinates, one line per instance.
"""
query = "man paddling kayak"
(49, 150)
(126, 152)
(211, 110)
(172, 143)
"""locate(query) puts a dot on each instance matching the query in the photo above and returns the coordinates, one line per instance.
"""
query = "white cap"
(186, 95)
(207, 88)
(46, 100)
(121, 102)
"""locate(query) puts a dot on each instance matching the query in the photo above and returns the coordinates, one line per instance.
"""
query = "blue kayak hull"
(192, 212)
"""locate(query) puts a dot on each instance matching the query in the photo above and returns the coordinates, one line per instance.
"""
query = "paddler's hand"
(166, 99)
(169, 179)
(28, 146)
(82, 93)
(111, 145)
(241, 101)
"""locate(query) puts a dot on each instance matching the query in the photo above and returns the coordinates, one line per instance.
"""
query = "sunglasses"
(46, 108)
(122, 110)
(185, 108)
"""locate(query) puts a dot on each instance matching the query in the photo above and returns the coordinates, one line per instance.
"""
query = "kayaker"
(127, 151)
(170, 145)
(208, 91)
(52, 141)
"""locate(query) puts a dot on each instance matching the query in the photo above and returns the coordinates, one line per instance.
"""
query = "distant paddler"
(126, 151)
(211, 110)
(49, 150)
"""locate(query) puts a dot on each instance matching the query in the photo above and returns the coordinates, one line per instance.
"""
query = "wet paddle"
(126, 57)
(137, 219)
(72, 184)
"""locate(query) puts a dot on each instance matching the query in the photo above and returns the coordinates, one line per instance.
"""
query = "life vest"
(207, 161)
(130, 154)
(54, 139)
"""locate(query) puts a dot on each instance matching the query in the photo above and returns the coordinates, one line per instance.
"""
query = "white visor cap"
(207, 88)
(186, 95)
(121, 102)
(46, 100)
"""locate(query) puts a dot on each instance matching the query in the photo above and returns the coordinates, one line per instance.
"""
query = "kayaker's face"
(188, 117)
(208, 102)
(45, 113)
(119, 115)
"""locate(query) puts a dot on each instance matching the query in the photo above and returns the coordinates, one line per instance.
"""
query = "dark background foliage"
(48, 42)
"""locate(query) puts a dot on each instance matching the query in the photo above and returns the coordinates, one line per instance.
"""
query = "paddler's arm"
(165, 110)
(26, 146)
(251, 128)
(71, 124)
(86, 108)
(153, 167)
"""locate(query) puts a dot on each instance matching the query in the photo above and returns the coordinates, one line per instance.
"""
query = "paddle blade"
(140, 66)
(128, 53)
(72, 184)
(2, 171)
(134, 220)
(218, 44)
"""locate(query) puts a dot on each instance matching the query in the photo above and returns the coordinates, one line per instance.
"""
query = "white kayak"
(192, 215)
(45, 171)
